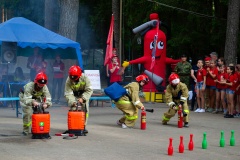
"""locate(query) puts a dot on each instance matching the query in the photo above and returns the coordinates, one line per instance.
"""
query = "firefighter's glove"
(125, 64)
(35, 103)
(45, 105)
(74, 104)
(80, 100)
(142, 108)
(181, 102)
(174, 107)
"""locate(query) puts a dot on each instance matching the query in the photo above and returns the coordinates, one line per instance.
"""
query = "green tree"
(232, 31)
(69, 18)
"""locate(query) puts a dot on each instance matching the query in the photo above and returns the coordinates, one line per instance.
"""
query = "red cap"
(154, 16)
(207, 59)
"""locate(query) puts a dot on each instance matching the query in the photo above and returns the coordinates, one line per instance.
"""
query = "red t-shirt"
(114, 77)
(232, 78)
(238, 83)
(200, 74)
(61, 66)
(221, 77)
(209, 78)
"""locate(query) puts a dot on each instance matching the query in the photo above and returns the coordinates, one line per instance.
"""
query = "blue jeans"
(229, 91)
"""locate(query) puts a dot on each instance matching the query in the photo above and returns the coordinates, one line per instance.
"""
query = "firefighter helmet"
(41, 79)
(142, 77)
(174, 79)
(74, 72)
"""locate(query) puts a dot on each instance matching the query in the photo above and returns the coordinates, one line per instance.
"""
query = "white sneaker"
(197, 110)
(201, 110)
(124, 126)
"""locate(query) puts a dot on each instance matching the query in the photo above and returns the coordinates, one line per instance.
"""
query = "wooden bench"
(12, 99)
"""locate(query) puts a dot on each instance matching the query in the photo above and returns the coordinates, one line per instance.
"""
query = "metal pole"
(150, 96)
(120, 33)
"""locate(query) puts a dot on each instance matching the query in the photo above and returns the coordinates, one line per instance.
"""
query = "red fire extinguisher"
(180, 117)
(143, 120)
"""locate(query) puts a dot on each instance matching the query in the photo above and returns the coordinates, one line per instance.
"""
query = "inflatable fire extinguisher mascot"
(154, 59)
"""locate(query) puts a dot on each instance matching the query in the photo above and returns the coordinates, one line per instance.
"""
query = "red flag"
(109, 48)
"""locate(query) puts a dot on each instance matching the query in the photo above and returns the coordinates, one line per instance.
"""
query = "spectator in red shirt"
(212, 72)
(207, 90)
(237, 93)
(220, 90)
(221, 62)
(114, 68)
(58, 69)
(200, 86)
(231, 85)
(108, 73)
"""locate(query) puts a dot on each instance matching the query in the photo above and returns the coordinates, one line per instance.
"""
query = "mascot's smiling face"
(149, 43)
(160, 45)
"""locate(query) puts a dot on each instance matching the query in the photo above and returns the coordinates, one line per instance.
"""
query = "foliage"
(196, 27)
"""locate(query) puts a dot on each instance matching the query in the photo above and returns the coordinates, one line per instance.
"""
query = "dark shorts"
(211, 87)
(220, 90)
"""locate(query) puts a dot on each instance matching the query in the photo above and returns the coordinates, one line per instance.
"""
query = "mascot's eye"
(151, 45)
(160, 45)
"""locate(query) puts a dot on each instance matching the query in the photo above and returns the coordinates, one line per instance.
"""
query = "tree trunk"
(230, 52)
(69, 18)
(51, 13)
(115, 10)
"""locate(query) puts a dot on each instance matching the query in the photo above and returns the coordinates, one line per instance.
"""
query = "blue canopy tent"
(29, 34)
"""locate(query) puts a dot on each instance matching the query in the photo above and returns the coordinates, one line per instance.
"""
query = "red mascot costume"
(154, 59)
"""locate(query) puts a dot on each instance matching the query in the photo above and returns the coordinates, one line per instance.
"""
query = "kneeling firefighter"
(33, 94)
(176, 94)
(78, 89)
(130, 103)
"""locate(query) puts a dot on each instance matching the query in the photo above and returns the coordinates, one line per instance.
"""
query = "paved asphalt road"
(106, 140)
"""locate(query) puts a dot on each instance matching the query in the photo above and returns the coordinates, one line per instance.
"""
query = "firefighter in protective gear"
(33, 94)
(130, 103)
(78, 89)
(176, 94)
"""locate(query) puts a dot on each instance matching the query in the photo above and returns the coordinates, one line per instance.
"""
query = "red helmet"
(142, 77)
(74, 72)
(41, 79)
(174, 79)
